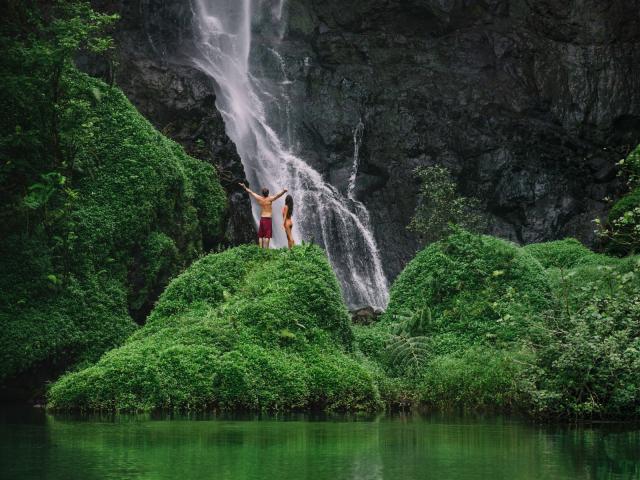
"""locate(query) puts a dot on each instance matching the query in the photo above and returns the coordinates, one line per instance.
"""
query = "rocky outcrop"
(152, 67)
(530, 104)
(365, 316)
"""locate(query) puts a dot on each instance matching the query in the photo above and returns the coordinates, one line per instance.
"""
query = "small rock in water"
(365, 315)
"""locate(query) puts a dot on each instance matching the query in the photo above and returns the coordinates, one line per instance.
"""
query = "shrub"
(98, 209)
(242, 329)
(630, 168)
(440, 207)
(456, 328)
(589, 348)
(479, 289)
(502, 333)
(477, 377)
(623, 229)
(567, 253)
(624, 205)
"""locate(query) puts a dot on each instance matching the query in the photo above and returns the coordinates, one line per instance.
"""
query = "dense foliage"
(567, 253)
(588, 348)
(622, 229)
(473, 322)
(479, 289)
(98, 209)
(477, 322)
(245, 328)
(441, 206)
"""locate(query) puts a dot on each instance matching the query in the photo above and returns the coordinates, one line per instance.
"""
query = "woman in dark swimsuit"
(287, 213)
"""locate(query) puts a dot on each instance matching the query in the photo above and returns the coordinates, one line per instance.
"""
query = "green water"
(37, 445)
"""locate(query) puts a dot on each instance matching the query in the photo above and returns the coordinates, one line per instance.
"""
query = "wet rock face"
(153, 40)
(530, 104)
(365, 315)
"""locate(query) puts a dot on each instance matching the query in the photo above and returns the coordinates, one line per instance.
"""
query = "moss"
(242, 329)
(479, 289)
(140, 213)
(567, 253)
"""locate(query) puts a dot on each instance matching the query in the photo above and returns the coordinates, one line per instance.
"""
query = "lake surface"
(34, 444)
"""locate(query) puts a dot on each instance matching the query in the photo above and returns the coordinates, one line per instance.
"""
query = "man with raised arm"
(266, 211)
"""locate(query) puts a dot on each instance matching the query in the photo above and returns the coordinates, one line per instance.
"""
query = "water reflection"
(34, 444)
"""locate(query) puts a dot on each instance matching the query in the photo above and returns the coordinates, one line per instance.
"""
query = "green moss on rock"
(242, 329)
(140, 212)
(479, 289)
(567, 253)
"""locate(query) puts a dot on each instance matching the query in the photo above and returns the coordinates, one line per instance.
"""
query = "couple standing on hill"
(266, 212)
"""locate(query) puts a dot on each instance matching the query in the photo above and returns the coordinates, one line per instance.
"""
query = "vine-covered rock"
(478, 289)
(136, 211)
(242, 329)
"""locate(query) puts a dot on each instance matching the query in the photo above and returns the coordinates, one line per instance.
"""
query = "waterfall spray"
(339, 224)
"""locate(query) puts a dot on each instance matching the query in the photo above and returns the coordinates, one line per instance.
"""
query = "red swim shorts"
(264, 231)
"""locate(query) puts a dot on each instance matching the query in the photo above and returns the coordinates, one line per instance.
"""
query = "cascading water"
(339, 224)
(357, 140)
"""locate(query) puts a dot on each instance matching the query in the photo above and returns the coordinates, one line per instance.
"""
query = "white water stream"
(340, 224)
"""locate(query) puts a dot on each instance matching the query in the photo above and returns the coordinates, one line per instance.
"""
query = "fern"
(408, 348)
(408, 353)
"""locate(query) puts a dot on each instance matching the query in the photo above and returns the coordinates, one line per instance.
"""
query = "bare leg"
(260, 242)
(266, 242)
(290, 241)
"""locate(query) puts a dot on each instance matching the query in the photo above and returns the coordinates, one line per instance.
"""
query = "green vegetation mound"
(476, 322)
(567, 253)
(92, 245)
(243, 329)
(477, 289)
(457, 320)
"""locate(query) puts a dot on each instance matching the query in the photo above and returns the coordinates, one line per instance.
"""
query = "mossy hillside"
(567, 253)
(478, 289)
(141, 210)
(460, 314)
(574, 351)
(241, 329)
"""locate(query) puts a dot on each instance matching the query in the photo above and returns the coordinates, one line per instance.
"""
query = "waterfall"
(323, 215)
(357, 140)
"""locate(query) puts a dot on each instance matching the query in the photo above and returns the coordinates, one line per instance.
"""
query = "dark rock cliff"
(529, 103)
(153, 43)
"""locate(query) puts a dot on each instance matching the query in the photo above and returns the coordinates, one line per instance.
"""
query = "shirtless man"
(266, 211)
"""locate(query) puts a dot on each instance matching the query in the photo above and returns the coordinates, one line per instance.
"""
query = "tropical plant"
(440, 206)
(407, 347)
(622, 228)
(97, 209)
(588, 348)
